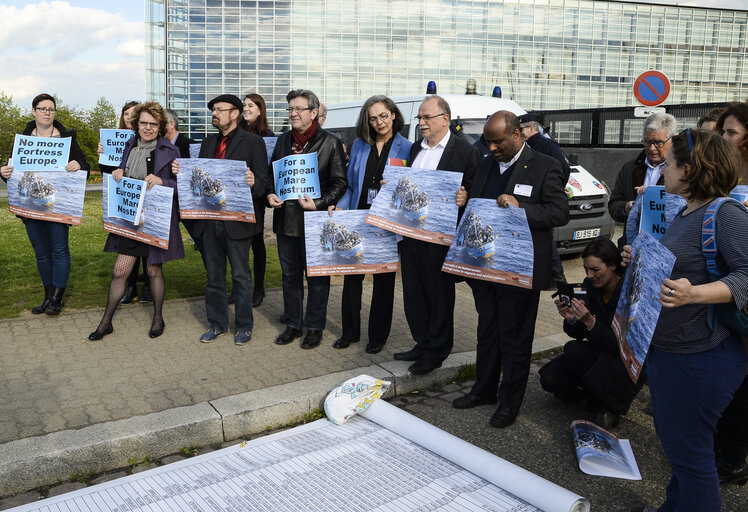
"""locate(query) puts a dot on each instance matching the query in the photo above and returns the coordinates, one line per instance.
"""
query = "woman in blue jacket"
(378, 144)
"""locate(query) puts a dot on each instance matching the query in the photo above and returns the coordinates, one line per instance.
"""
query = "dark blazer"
(249, 148)
(550, 147)
(546, 207)
(459, 156)
(163, 155)
(183, 145)
(331, 161)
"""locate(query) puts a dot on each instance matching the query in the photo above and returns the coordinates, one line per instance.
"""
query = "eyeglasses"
(46, 110)
(687, 131)
(429, 118)
(219, 110)
(146, 124)
(659, 144)
(297, 110)
(381, 117)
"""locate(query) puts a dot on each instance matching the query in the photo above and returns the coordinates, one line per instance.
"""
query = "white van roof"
(466, 106)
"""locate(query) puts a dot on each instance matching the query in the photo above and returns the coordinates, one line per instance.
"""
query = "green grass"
(91, 267)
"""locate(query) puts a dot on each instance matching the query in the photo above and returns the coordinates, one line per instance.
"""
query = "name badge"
(522, 190)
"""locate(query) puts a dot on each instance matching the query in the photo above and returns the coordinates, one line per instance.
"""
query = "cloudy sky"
(79, 50)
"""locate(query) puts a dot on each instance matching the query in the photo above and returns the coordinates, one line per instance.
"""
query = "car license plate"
(586, 233)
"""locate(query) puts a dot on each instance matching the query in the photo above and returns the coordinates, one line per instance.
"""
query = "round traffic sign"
(651, 88)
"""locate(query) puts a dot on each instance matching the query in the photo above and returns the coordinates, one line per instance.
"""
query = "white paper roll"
(528, 486)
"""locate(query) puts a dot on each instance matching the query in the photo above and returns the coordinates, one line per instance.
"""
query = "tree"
(75, 118)
(102, 115)
(11, 122)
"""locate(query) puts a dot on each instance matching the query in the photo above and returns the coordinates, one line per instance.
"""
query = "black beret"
(529, 118)
(226, 98)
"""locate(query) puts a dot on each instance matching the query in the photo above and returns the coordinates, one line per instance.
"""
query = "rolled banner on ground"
(353, 397)
(528, 486)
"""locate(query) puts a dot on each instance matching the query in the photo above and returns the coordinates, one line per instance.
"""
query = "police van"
(588, 196)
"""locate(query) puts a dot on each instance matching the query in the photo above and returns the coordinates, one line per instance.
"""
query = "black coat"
(459, 156)
(550, 147)
(607, 378)
(331, 166)
(183, 145)
(546, 207)
(249, 148)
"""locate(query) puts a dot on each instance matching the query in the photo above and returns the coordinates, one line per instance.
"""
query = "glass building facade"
(544, 54)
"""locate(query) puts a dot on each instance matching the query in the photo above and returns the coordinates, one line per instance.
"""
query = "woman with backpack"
(696, 362)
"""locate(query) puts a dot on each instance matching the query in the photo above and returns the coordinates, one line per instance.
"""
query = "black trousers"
(380, 312)
(429, 297)
(506, 328)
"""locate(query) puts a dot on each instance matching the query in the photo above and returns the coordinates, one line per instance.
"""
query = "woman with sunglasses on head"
(731, 443)
(255, 115)
(148, 157)
(695, 363)
(378, 142)
(50, 239)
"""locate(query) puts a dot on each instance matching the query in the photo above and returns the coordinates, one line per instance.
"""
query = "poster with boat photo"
(154, 220)
(492, 244)
(638, 306)
(417, 203)
(653, 211)
(56, 196)
(345, 244)
(601, 453)
(211, 188)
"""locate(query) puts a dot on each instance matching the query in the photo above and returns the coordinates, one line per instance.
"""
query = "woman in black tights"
(148, 157)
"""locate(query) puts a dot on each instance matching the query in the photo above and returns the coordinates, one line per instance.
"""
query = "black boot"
(55, 304)
(38, 310)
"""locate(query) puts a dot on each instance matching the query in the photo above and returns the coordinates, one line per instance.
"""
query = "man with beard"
(231, 239)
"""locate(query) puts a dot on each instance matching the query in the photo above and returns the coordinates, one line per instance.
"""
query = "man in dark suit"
(514, 175)
(428, 293)
(231, 239)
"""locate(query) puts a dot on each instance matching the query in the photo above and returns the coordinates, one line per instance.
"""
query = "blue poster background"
(296, 175)
(673, 204)
(155, 219)
(211, 188)
(492, 244)
(270, 146)
(740, 193)
(40, 153)
(53, 195)
(113, 146)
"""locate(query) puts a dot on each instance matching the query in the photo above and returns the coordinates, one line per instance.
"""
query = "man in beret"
(231, 239)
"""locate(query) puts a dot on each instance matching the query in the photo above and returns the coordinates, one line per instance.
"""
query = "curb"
(46, 460)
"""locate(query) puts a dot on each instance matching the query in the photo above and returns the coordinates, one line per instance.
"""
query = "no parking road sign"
(651, 88)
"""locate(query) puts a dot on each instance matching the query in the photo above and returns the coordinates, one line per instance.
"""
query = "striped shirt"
(685, 329)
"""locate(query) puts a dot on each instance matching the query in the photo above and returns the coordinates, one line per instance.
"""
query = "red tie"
(221, 153)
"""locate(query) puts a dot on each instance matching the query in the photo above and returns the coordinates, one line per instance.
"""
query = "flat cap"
(529, 118)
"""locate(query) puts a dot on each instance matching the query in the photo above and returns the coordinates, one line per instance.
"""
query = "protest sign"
(492, 244)
(56, 196)
(638, 308)
(154, 222)
(40, 153)
(270, 146)
(214, 188)
(113, 146)
(345, 244)
(417, 203)
(295, 176)
(652, 212)
(125, 198)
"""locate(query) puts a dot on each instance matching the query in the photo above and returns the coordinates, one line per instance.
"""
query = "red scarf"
(301, 138)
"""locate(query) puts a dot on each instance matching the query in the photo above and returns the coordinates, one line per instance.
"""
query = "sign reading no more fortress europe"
(40, 153)
(296, 175)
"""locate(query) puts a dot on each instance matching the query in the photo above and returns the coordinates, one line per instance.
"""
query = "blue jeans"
(50, 243)
(689, 393)
(216, 247)
(292, 256)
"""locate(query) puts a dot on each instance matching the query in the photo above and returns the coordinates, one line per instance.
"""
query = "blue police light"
(431, 87)
(496, 92)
